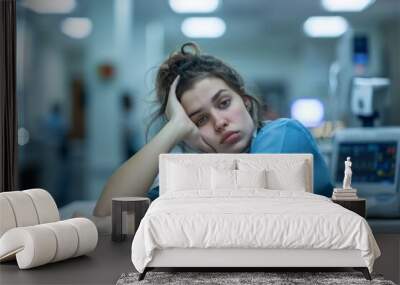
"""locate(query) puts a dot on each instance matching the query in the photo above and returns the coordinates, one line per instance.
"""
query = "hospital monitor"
(375, 160)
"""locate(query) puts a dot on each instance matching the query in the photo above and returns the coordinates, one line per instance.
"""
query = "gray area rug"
(225, 278)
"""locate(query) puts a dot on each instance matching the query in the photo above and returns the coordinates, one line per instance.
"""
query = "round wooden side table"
(127, 212)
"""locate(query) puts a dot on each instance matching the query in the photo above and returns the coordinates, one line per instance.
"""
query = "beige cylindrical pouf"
(7, 218)
(87, 234)
(26, 208)
(67, 239)
(33, 246)
(40, 244)
(23, 208)
(45, 205)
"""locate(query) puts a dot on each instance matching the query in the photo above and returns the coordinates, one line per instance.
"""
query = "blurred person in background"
(127, 125)
(55, 132)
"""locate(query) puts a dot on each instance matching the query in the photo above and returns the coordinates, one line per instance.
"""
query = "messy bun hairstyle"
(193, 66)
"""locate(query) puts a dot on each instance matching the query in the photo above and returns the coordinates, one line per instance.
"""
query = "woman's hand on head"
(177, 115)
(175, 112)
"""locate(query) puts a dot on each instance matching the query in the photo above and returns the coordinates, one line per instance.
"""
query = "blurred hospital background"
(85, 74)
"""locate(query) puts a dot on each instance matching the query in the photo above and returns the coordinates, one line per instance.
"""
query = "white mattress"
(252, 218)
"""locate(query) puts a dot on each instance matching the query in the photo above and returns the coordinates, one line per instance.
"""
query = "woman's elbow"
(101, 210)
(103, 205)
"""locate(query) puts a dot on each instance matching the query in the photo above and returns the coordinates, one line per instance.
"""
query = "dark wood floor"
(102, 266)
(110, 259)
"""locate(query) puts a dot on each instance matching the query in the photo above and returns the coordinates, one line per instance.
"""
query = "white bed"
(203, 218)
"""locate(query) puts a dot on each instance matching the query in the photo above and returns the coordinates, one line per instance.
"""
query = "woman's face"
(220, 115)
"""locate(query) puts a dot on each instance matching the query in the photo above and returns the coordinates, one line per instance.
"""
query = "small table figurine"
(347, 192)
(347, 174)
(127, 212)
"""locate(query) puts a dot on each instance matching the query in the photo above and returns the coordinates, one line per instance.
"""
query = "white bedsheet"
(251, 218)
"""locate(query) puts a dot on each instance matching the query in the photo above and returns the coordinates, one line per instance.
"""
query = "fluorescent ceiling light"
(346, 5)
(325, 27)
(206, 27)
(194, 6)
(310, 112)
(50, 6)
(77, 28)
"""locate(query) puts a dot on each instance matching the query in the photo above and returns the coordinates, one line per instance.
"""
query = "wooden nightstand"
(358, 206)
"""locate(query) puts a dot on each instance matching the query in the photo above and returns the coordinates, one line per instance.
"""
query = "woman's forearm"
(137, 174)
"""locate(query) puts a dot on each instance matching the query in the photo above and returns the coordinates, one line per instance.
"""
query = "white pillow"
(186, 174)
(293, 179)
(236, 179)
(282, 175)
(251, 178)
(223, 179)
(181, 177)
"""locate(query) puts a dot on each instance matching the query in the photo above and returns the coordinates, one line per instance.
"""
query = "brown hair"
(193, 66)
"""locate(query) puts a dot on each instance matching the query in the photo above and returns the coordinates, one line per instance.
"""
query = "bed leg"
(364, 271)
(143, 274)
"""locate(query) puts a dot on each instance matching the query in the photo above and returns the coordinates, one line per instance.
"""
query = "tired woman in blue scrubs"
(207, 108)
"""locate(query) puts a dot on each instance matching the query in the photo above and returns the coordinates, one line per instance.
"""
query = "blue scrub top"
(290, 136)
(286, 136)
